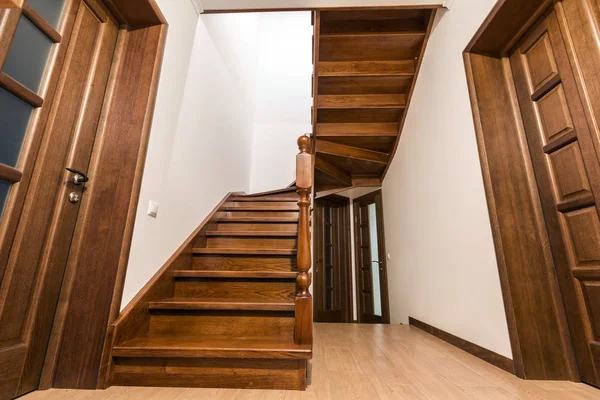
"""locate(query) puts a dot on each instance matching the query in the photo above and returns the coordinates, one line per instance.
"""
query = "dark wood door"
(332, 286)
(563, 146)
(38, 251)
(371, 266)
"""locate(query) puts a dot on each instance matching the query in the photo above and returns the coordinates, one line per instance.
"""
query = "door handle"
(79, 176)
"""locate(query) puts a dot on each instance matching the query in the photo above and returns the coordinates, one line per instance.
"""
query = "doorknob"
(73, 197)
(79, 176)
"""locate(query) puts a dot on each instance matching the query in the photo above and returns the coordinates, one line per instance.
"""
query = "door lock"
(79, 176)
(73, 197)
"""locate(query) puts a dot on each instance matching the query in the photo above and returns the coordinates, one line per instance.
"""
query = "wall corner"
(198, 6)
(446, 4)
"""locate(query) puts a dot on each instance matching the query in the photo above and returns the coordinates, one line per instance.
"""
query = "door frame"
(125, 122)
(377, 198)
(346, 276)
(520, 237)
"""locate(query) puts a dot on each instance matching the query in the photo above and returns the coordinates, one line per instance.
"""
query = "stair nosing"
(195, 273)
(252, 233)
(233, 304)
(230, 251)
(198, 351)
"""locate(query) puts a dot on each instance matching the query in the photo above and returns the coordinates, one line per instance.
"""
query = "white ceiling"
(208, 5)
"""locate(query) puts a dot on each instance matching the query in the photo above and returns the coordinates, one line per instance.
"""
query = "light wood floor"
(373, 362)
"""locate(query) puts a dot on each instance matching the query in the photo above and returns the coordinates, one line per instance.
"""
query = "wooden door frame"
(537, 324)
(377, 198)
(347, 306)
(125, 121)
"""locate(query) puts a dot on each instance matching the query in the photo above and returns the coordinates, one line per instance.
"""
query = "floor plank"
(372, 362)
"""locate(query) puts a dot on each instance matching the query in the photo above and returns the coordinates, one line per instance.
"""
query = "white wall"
(443, 268)
(283, 97)
(303, 4)
(201, 140)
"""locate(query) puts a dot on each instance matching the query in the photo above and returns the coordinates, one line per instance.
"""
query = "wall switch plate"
(389, 256)
(152, 209)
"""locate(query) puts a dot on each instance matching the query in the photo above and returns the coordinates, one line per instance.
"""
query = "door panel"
(34, 272)
(332, 286)
(371, 266)
(567, 170)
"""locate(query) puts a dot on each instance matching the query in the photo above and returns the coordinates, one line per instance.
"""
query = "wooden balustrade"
(303, 330)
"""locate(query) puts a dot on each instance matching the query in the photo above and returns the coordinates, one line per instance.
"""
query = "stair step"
(291, 207)
(257, 219)
(222, 304)
(209, 346)
(264, 199)
(261, 252)
(235, 274)
(253, 233)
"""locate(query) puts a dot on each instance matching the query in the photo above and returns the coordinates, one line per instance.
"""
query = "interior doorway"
(370, 260)
(333, 260)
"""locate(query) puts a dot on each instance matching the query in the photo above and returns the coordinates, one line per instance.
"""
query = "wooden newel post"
(304, 164)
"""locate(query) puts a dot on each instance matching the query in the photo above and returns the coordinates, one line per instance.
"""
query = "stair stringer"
(135, 317)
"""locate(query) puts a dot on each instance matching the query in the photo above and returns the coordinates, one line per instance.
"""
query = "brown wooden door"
(38, 225)
(562, 144)
(332, 285)
(371, 266)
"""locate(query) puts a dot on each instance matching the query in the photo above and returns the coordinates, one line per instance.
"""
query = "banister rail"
(303, 328)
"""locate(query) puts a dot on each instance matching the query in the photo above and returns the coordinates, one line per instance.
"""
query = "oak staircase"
(231, 308)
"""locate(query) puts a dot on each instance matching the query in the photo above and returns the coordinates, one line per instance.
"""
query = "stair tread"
(267, 252)
(265, 199)
(188, 303)
(257, 219)
(291, 207)
(214, 346)
(253, 233)
(192, 273)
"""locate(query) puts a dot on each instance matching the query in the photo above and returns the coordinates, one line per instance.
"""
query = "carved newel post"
(304, 165)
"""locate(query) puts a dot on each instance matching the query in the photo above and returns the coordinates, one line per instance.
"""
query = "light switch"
(152, 209)
(389, 256)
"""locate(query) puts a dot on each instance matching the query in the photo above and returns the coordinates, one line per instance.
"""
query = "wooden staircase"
(222, 312)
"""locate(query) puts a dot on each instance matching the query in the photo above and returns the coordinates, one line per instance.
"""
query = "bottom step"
(211, 373)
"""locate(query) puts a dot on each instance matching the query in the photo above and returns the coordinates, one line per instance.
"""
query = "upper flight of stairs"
(220, 313)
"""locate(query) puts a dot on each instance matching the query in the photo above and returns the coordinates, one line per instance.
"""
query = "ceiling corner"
(198, 6)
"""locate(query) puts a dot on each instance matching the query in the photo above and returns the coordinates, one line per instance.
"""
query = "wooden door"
(562, 144)
(36, 251)
(371, 266)
(332, 285)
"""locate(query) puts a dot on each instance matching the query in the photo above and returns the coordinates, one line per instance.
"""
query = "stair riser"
(237, 289)
(245, 263)
(286, 195)
(211, 372)
(258, 227)
(251, 243)
(286, 204)
(258, 214)
(231, 323)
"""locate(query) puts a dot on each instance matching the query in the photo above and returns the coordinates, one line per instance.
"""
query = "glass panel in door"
(375, 262)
